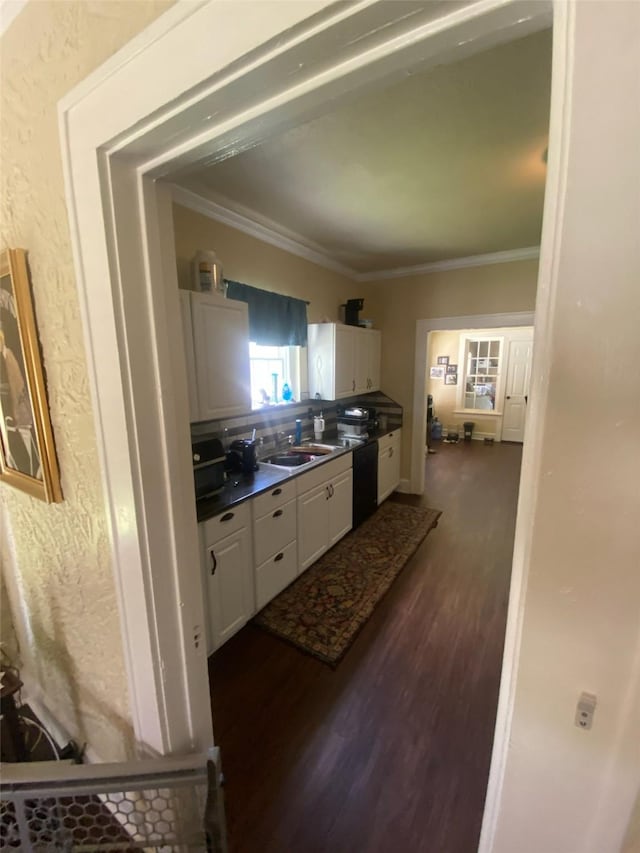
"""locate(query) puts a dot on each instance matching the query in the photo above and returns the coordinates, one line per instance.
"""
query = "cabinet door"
(340, 506)
(361, 357)
(229, 569)
(374, 353)
(367, 360)
(345, 356)
(187, 339)
(275, 574)
(221, 344)
(273, 531)
(313, 525)
(389, 469)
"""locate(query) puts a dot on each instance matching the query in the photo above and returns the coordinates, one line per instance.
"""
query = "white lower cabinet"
(227, 567)
(325, 508)
(253, 551)
(274, 541)
(276, 573)
(388, 464)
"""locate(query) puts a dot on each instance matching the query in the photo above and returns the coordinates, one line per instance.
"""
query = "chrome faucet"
(282, 438)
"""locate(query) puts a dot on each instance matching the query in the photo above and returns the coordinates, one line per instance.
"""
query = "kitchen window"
(479, 382)
(273, 368)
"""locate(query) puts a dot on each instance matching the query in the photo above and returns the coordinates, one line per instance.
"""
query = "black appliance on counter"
(243, 456)
(208, 467)
(365, 481)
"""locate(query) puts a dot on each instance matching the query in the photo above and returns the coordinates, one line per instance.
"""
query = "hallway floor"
(391, 750)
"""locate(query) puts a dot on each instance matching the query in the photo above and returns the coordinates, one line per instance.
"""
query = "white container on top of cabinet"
(343, 360)
(216, 339)
(388, 464)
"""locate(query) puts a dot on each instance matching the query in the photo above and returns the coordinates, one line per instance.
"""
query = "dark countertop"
(238, 488)
(241, 487)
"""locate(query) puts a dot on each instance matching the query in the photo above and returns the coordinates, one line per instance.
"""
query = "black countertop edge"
(241, 487)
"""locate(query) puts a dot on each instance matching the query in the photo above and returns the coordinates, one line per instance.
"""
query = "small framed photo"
(443, 359)
(452, 368)
(436, 372)
(451, 379)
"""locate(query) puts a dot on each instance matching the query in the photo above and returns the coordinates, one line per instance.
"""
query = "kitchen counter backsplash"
(270, 421)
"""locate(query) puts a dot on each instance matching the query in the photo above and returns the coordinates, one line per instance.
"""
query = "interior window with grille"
(482, 369)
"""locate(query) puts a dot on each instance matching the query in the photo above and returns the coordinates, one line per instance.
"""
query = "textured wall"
(60, 582)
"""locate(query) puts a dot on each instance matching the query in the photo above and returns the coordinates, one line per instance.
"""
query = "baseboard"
(480, 436)
(405, 487)
(33, 696)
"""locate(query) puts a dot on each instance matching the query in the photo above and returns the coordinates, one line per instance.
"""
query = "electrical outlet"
(585, 710)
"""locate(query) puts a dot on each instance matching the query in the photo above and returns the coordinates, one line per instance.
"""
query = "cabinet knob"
(276, 492)
(227, 516)
(278, 557)
(390, 452)
(277, 513)
(214, 563)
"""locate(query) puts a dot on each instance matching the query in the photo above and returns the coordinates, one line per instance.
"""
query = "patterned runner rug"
(322, 611)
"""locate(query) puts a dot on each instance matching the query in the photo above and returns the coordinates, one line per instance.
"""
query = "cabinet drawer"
(273, 531)
(226, 523)
(324, 472)
(387, 440)
(276, 573)
(275, 497)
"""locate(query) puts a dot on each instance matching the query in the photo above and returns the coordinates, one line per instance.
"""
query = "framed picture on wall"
(452, 368)
(27, 452)
(451, 379)
(436, 372)
(443, 359)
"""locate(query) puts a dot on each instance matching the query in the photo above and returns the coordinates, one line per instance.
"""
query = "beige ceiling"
(445, 164)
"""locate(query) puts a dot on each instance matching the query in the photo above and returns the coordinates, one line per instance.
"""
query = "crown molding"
(506, 257)
(264, 230)
(251, 223)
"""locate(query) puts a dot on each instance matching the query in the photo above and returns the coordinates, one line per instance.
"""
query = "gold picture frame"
(27, 451)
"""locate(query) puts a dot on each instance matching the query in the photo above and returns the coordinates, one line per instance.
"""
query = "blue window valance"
(274, 320)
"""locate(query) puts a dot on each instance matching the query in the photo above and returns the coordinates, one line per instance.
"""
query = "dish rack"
(165, 804)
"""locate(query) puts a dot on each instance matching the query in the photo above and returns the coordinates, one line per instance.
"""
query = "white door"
(517, 390)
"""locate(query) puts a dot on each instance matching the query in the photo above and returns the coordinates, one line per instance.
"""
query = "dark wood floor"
(391, 750)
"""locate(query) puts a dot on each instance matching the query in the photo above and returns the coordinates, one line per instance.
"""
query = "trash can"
(468, 430)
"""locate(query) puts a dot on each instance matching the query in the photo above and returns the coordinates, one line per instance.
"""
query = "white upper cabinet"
(343, 360)
(367, 360)
(220, 330)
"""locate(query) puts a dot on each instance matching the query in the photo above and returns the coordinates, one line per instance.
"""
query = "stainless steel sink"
(300, 456)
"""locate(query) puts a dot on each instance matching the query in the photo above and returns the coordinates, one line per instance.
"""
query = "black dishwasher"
(365, 482)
